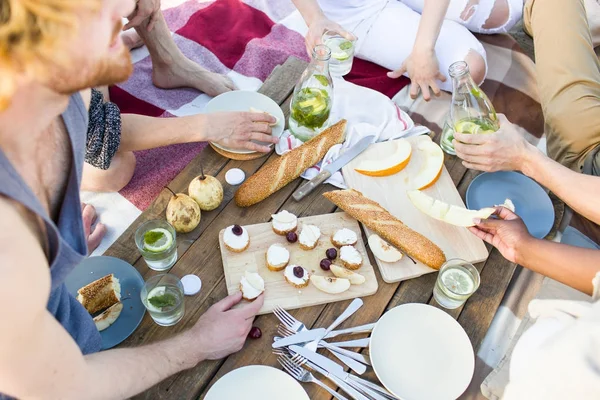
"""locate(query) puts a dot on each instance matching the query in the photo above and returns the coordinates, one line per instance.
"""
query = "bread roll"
(390, 228)
(282, 170)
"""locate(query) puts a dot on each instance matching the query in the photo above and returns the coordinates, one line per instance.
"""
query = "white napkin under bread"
(368, 112)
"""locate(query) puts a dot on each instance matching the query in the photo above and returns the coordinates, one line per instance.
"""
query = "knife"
(300, 337)
(337, 370)
(330, 169)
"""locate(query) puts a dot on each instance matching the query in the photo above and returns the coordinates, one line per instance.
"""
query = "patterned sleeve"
(104, 131)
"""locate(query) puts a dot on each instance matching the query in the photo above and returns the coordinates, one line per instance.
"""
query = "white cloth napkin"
(368, 112)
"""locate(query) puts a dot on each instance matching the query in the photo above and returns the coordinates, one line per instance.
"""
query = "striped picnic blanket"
(245, 40)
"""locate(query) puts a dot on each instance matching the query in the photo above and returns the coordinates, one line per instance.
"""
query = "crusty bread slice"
(390, 228)
(100, 294)
(282, 170)
(108, 317)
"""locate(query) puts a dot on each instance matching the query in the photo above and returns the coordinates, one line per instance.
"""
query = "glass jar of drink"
(163, 297)
(342, 53)
(313, 95)
(456, 282)
(156, 241)
(471, 110)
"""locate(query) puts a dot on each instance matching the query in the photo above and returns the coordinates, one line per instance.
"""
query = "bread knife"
(330, 169)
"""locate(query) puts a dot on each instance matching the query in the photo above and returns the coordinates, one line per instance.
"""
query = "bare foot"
(93, 233)
(131, 39)
(186, 73)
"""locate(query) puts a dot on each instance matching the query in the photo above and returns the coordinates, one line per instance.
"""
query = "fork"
(301, 374)
(287, 319)
(284, 331)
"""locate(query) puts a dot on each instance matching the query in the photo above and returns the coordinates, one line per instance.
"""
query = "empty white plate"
(242, 100)
(421, 353)
(256, 382)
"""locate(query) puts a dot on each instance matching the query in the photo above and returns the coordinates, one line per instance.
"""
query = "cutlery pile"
(296, 349)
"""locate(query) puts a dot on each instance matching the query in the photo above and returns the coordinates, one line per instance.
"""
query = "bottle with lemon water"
(313, 95)
(471, 110)
(157, 243)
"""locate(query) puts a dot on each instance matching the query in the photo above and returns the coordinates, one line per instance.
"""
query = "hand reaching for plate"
(237, 130)
(508, 233)
(221, 330)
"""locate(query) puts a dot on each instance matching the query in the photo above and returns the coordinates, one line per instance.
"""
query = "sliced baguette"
(100, 294)
(390, 228)
(282, 170)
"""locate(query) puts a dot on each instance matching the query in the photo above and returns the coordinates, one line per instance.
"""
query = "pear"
(183, 213)
(353, 277)
(383, 250)
(330, 285)
(207, 191)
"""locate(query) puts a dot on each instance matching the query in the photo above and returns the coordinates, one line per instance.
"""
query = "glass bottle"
(313, 95)
(471, 110)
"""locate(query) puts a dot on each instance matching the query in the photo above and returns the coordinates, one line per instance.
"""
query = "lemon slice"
(467, 127)
(157, 240)
(458, 281)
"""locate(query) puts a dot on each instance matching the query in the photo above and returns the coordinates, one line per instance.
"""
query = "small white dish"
(420, 352)
(242, 100)
(256, 382)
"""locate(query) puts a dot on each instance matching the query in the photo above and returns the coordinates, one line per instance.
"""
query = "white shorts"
(386, 31)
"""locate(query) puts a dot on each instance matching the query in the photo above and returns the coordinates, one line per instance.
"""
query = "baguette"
(390, 228)
(282, 170)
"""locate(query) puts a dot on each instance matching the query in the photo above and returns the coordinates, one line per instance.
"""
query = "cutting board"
(390, 192)
(277, 291)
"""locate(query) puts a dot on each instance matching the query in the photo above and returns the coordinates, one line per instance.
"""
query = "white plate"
(256, 382)
(421, 353)
(242, 100)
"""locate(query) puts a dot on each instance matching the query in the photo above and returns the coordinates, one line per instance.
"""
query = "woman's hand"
(238, 129)
(423, 69)
(318, 27)
(508, 233)
(504, 150)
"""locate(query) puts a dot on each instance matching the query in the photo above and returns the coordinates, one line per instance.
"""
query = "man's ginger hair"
(32, 36)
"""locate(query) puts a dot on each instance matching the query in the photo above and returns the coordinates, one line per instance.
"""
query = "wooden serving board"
(390, 192)
(277, 291)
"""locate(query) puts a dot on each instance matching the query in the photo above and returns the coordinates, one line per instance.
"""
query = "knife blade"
(330, 169)
(300, 337)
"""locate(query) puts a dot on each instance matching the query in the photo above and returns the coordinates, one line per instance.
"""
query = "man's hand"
(504, 150)
(508, 233)
(238, 129)
(221, 331)
(423, 69)
(144, 10)
(320, 26)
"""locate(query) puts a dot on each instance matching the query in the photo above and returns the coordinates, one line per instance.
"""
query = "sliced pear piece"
(383, 250)
(432, 166)
(330, 285)
(353, 277)
(451, 214)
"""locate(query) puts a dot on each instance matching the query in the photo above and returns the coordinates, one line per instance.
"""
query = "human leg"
(113, 179)
(480, 16)
(568, 75)
(171, 69)
(94, 232)
(390, 39)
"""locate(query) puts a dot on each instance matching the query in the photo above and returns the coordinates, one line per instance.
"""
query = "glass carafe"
(471, 110)
(313, 95)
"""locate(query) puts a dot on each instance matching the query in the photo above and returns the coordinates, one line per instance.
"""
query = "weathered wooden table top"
(199, 254)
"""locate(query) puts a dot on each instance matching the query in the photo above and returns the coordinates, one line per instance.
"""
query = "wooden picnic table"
(199, 254)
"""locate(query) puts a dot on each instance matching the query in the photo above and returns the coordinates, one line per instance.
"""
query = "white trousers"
(386, 29)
